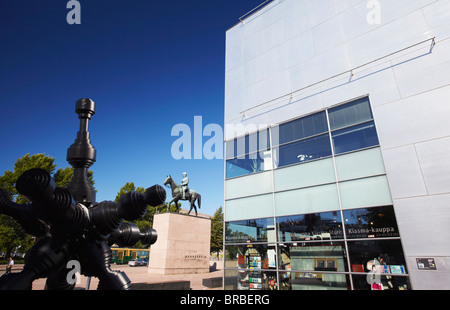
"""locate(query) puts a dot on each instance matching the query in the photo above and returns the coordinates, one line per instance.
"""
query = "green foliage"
(128, 187)
(147, 220)
(63, 177)
(26, 162)
(11, 233)
(217, 231)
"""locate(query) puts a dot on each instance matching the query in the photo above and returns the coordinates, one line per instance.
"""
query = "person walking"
(9, 266)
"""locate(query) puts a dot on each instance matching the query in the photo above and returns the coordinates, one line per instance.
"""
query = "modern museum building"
(337, 146)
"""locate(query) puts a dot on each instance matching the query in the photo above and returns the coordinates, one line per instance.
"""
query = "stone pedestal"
(183, 244)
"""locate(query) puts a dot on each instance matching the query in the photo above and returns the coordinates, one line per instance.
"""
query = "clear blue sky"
(147, 64)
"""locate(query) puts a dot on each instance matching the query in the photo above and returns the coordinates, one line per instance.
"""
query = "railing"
(248, 14)
(351, 72)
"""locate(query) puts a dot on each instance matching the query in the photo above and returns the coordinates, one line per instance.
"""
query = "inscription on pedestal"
(183, 244)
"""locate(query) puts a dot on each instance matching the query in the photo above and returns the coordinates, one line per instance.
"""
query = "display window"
(252, 262)
(313, 281)
(381, 282)
(306, 227)
(250, 281)
(257, 230)
(378, 222)
(251, 256)
(377, 256)
(315, 256)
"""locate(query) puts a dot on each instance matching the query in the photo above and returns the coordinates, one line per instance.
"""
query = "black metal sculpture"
(69, 225)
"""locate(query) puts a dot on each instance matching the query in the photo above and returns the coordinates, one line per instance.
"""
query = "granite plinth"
(183, 244)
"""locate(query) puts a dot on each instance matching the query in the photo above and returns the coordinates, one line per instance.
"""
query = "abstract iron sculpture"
(69, 225)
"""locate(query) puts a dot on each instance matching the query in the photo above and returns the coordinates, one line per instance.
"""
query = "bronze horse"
(177, 194)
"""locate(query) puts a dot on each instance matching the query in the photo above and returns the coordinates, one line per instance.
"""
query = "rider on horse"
(184, 185)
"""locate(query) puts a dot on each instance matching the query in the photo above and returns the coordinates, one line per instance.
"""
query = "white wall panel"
(435, 163)
(425, 72)
(424, 225)
(404, 172)
(414, 119)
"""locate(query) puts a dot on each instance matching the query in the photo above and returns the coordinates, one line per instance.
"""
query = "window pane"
(257, 230)
(230, 149)
(368, 192)
(371, 223)
(307, 200)
(313, 173)
(314, 256)
(360, 164)
(250, 280)
(248, 144)
(313, 281)
(350, 114)
(355, 138)
(259, 206)
(303, 127)
(247, 164)
(387, 254)
(258, 141)
(319, 226)
(251, 185)
(303, 151)
(383, 282)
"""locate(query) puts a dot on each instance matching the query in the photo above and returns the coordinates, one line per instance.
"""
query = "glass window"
(307, 200)
(355, 138)
(247, 164)
(360, 164)
(251, 256)
(350, 114)
(250, 280)
(254, 142)
(371, 223)
(313, 173)
(378, 256)
(303, 151)
(380, 282)
(319, 226)
(256, 230)
(302, 128)
(313, 281)
(312, 256)
(251, 185)
(367, 192)
(258, 206)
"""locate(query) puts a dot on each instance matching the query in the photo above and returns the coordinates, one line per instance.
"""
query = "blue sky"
(148, 65)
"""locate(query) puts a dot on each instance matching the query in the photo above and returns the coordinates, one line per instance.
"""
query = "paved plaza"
(140, 275)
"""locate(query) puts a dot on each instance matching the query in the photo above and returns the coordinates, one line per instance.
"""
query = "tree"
(63, 177)
(128, 187)
(147, 220)
(217, 231)
(26, 162)
(11, 233)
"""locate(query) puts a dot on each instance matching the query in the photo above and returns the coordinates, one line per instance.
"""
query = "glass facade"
(324, 218)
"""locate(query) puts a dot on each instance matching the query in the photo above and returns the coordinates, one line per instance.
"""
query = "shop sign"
(371, 232)
(426, 264)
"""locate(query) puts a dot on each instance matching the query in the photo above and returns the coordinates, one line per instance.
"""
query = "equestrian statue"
(183, 192)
